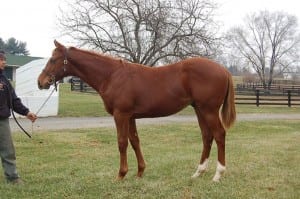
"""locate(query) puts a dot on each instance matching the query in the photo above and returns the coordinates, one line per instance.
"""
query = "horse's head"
(55, 68)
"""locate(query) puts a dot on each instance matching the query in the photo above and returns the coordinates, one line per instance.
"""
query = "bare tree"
(143, 31)
(269, 42)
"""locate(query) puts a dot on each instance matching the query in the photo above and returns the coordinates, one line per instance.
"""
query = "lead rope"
(11, 107)
(42, 106)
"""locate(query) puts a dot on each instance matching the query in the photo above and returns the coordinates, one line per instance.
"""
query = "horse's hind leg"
(216, 128)
(219, 137)
(207, 139)
(135, 143)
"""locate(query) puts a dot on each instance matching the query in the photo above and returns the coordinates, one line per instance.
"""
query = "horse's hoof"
(215, 179)
(139, 174)
(138, 177)
(119, 178)
(195, 175)
(219, 172)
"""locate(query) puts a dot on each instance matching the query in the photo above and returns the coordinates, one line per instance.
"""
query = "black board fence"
(78, 85)
(260, 97)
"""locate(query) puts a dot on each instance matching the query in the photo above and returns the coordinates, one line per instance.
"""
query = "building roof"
(19, 60)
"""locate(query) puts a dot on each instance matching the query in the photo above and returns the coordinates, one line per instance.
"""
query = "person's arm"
(19, 107)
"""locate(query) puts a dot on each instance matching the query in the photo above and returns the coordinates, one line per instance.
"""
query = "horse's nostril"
(39, 85)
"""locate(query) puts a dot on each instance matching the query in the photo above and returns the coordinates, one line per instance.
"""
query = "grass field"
(262, 162)
(262, 159)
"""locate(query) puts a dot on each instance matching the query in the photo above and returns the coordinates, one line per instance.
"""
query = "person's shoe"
(16, 181)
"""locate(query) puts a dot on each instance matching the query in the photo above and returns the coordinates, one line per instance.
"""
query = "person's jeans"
(7, 151)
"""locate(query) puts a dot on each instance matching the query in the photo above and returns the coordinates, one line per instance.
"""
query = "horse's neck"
(93, 70)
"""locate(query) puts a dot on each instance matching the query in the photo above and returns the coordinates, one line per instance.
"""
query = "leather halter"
(53, 76)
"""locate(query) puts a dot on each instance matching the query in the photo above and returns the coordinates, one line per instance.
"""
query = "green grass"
(262, 162)
(79, 104)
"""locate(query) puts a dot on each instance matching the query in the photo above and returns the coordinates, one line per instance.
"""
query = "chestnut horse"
(130, 91)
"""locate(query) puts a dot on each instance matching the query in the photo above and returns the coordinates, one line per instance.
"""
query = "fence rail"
(275, 88)
(261, 98)
(78, 85)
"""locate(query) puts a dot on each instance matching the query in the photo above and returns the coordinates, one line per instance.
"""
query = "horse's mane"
(113, 58)
(97, 54)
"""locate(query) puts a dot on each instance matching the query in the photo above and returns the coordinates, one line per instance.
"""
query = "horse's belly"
(162, 108)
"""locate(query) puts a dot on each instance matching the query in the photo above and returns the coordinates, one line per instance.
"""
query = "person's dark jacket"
(8, 97)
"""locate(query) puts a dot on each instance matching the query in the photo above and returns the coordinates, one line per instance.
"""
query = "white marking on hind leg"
(219, 172)
(201, 169)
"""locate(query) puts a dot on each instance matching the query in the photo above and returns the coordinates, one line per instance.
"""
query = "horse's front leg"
(135, 143)
(122, 124)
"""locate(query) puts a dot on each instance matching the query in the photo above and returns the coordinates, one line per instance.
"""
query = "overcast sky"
(34, 21)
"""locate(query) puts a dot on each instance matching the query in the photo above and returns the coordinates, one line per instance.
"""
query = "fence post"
(289, 98)
(257, 97)
(81, 86)
(72, 84)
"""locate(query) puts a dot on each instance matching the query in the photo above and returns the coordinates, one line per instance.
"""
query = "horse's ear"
(57, 44)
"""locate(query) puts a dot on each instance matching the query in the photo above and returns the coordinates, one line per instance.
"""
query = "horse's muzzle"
(40, 86)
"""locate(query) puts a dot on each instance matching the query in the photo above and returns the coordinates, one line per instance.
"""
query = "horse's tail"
(228, 109)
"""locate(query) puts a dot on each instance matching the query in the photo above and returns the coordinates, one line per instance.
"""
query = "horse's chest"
(120, 102)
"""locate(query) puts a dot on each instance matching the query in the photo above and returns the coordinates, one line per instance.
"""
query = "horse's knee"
(123, 144)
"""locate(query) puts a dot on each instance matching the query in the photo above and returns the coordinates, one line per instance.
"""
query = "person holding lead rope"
(9, 101)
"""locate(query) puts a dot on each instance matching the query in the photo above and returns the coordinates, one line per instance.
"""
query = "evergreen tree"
(2, 44)
(13, 46)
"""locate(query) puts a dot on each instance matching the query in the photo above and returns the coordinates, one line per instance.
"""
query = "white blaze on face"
(219, 172)
(201, 169)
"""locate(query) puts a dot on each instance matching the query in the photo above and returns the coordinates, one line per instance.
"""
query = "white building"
(31, 96)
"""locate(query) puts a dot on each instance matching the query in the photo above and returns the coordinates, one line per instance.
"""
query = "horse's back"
(203, 67)
(194, 77)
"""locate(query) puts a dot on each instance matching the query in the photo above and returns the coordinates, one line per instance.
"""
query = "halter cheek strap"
(65, 63)
(64, 69)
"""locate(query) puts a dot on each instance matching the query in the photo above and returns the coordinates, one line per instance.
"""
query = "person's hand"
(31, 116)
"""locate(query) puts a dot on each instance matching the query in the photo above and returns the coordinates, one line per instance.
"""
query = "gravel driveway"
(56, 123)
